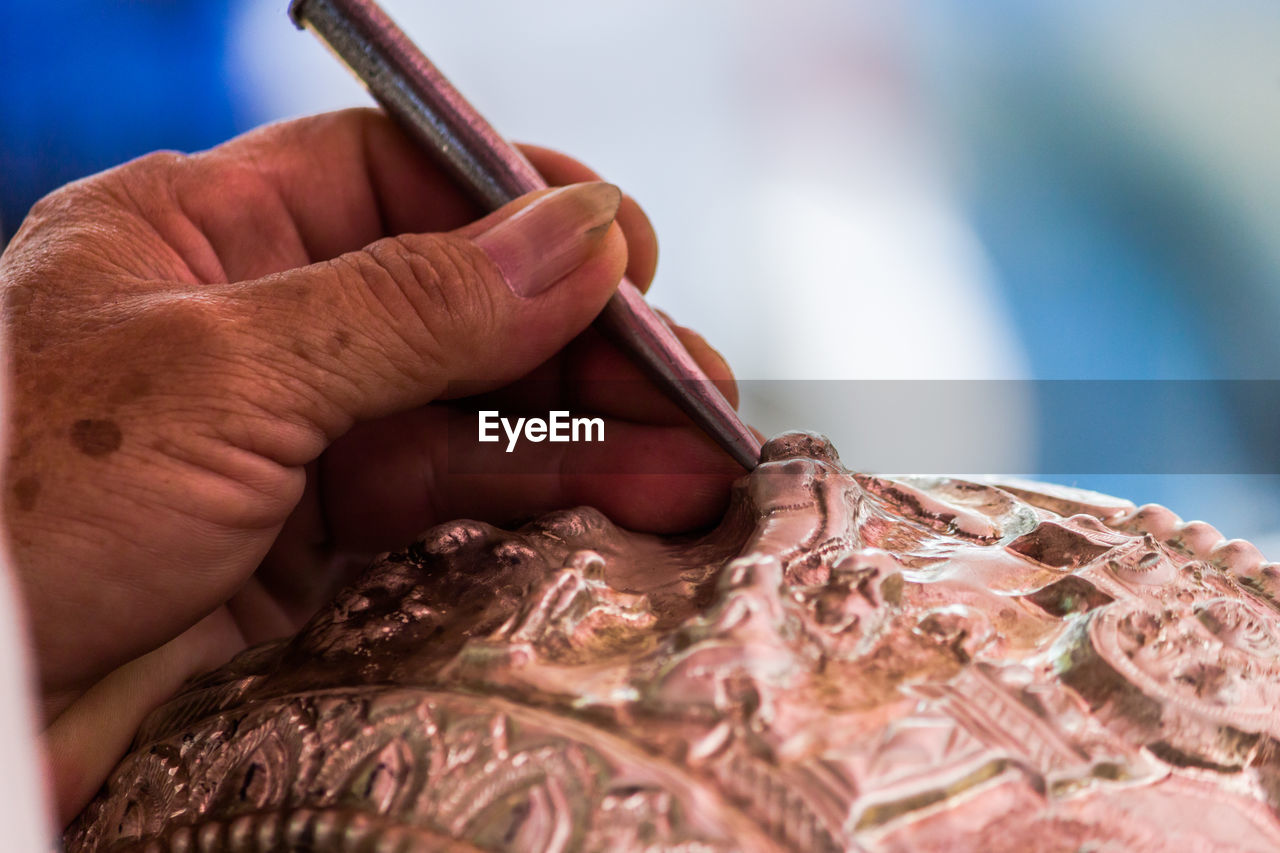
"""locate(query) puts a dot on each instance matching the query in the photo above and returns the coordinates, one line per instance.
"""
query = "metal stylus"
(413, 91)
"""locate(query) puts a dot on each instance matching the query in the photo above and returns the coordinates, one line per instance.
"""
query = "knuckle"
(432, 289)
(56, 204)
(213, 182)
(145, 183)
(157, 162)
(125, 186)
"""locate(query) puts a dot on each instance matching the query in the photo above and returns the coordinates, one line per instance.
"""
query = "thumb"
(389, 327)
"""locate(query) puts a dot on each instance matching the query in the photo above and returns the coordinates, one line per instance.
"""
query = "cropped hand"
(233, 369)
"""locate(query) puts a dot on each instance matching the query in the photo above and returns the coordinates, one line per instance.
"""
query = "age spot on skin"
(25, 492)
(96, 437)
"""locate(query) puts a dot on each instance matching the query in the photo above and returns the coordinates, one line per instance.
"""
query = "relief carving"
(847, 662)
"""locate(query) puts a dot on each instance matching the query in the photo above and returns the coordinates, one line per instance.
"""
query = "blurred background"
(844, 190)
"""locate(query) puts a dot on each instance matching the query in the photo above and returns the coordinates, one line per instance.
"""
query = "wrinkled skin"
(197, 343)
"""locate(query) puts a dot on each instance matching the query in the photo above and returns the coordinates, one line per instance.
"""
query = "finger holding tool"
(414, 92)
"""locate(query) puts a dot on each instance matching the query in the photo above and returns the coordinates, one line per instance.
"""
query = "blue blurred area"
(1111, 175)
(92, 83)
(1121, 256)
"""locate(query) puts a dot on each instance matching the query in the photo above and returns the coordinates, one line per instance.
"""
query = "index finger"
(642, 243)
(351, 177)
(344, 179)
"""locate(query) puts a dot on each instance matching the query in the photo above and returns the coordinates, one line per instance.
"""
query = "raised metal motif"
(847, 662)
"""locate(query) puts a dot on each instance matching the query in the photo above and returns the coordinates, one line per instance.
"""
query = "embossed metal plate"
(847, 662)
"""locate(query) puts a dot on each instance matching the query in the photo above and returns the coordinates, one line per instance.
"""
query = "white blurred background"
(929, 189)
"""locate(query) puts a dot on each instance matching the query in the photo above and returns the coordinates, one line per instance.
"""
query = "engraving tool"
(414, 92)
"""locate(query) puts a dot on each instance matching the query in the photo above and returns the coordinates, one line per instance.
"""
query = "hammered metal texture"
(847, 662)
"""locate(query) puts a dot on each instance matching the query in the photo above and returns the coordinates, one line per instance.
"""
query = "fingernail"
(548, 239)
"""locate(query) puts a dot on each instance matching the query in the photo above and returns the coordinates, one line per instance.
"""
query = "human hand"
(196, 342)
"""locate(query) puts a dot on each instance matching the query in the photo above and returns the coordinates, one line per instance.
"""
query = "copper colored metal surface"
(415, 93)
(847, 663)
